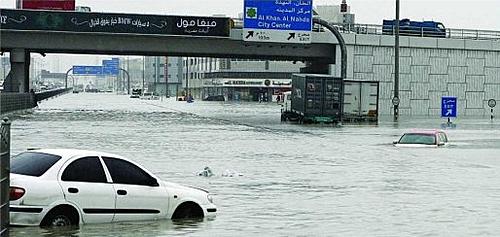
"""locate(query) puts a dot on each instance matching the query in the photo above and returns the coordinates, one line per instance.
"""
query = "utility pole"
(187, 76)
(143, 71)
(396, 99)
(166, 69)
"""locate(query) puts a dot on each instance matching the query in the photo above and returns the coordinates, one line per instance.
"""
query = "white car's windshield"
(417, 138)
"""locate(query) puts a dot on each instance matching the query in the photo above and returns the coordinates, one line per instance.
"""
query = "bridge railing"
(43, 95)
(372, 29)
(10, 102)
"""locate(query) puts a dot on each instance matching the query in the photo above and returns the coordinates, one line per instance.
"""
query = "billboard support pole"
(128, 80)
(66, 78)
(343, 50)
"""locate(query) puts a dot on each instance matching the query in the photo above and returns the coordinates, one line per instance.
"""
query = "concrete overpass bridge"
(24, 32)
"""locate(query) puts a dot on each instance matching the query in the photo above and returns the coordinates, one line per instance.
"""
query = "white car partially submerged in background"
(62, 187)
(422, 138)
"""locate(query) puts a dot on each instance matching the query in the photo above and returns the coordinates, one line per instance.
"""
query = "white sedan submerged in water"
(61, 187)
(423, 138)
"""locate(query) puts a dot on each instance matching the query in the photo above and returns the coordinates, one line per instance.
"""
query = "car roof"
(69, 153)
(425, 131)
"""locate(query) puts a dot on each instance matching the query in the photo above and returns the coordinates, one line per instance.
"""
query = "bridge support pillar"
(18, 79)
(316, 67)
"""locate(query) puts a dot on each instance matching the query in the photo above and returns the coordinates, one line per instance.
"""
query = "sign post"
(111, 67)
(281, 21)
(449, 108)
(492, 103)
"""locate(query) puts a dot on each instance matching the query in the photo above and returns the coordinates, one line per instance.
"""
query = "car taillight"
(16, 193)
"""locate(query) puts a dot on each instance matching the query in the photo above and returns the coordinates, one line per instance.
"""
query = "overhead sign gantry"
(281, 21)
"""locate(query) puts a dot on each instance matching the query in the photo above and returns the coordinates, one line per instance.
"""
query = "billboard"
(91, 22)
(62, 5)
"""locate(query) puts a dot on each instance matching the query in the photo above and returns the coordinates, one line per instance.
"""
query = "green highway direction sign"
(281, 21)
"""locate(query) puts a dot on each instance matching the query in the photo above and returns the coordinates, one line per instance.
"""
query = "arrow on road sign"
(292, 36)
(449, 112)
(250, 34)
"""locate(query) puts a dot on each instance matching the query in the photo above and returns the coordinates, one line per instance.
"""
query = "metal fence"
(4, 176)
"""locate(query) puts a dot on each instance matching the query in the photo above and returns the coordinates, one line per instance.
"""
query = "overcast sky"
(461, 14)
(470, 14)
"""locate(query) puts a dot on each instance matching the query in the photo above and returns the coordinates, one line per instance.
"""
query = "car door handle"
(73, 190)
(121, 192)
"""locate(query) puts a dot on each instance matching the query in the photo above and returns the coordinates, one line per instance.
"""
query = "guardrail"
(4, 177)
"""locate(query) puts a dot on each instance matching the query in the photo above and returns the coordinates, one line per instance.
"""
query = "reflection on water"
(152, 228)
(297, 180)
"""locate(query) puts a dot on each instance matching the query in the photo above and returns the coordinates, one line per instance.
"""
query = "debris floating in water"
(206, 172)
(231, 173)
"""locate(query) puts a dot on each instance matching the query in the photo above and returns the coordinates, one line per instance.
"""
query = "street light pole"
(396, 98)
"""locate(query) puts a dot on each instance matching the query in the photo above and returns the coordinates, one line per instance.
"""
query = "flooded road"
(296, 180)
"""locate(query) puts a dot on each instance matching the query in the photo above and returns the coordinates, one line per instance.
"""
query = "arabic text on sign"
(195, 23)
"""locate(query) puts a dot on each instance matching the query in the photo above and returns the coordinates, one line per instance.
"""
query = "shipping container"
(317, 98)
(323, 98)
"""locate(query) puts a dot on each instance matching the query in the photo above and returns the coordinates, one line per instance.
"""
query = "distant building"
(4, 68)
(51, 80)
(238, 79)
(340, 14)
(162, 74)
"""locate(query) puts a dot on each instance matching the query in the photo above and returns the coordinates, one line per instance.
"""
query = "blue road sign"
(449, 107)
(87, 70)
(111, 67)
(288, 21)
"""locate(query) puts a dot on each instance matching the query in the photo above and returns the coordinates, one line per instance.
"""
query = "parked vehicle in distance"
(415, 28)
(148, 96)
(62, 187)
(214, 98)
(136, 93)
(423, 138)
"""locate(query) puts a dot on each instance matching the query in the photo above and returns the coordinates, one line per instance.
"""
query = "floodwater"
(296, 180)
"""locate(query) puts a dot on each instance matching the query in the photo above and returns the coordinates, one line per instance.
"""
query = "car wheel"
(188, 210)
(59, 220)
(61, 216)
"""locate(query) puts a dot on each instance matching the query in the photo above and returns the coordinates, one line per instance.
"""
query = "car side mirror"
(441, 144)
(395, 142)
